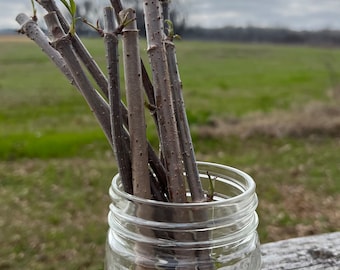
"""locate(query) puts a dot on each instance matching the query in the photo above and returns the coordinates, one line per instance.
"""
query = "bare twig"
(31, 29)
(166, 121)
(158, 184)
(185, 140)
(186, 144)
(148, 87)
(117, 6)
(137, 128)
(79, 47)
(135, 101)
(192, 175)
(119, 137)
(99, 106)
(95, 101)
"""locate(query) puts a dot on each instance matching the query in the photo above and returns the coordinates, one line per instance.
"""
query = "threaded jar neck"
(227, 223)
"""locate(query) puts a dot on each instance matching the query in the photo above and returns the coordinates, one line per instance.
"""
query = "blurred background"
(262, 91)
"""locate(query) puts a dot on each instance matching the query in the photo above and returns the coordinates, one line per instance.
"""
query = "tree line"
(268, 35)
(87, 9)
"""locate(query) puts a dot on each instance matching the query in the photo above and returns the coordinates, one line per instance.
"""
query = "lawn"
(271, 111)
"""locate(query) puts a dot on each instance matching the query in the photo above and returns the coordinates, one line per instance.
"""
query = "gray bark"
(119, 136)
(135, 102)
(185, 140)
(188, 154)
(165, 112)
(191, 171)
(31, 29)
(148, 87)
(97, 104)
(79, 47)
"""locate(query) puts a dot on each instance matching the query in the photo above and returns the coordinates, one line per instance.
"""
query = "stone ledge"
(317, 252)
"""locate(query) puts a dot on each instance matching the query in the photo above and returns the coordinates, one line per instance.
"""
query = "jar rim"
(248, 191)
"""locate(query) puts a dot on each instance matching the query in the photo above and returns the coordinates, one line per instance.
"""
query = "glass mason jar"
(219, 234)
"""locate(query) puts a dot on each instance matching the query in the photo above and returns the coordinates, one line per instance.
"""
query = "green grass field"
(56, 166)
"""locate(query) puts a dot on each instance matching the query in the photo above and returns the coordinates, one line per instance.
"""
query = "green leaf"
(34, 17)
(73, 7)
(66, 5)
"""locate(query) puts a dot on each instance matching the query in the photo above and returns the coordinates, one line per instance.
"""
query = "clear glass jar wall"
(221, 234)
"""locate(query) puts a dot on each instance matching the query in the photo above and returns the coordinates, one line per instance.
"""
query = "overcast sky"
(294, 14)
